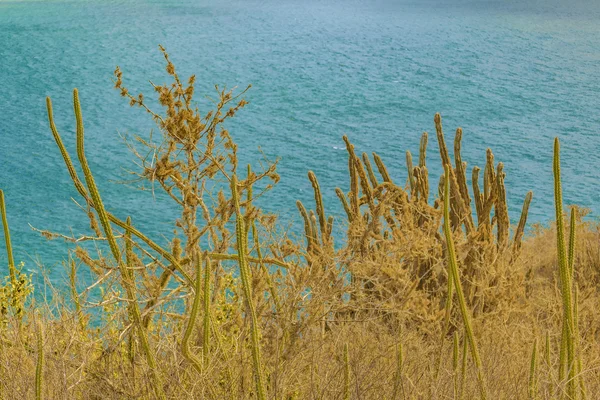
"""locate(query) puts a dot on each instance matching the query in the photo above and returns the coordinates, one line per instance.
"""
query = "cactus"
(533, 373)
(247, 288)
(453, 274)
(39, 368)
(568, 333)
(9, 253)
(191, 324)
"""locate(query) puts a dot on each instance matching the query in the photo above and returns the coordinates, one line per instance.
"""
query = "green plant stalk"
(489, 176)
(217, 335)
(453, 273)
(312, 220)
(329, 226)
(571, 255)
(9, 253)
(346, 373)
(533, 373)
(272, 289)
(548, 365)
(423, 150)
(448, 310)
(247, 288)
(411, 176)
(206, 317)
(364, 182)
(565, 277)
(127, 272)
(463, 367)
(579, 365)
(189, 329)
(340, 194)
(369, 167)
(478, 197)
(461, 176)
(130, 277)
(353, 195)
(16, 301)
(102, 215)
(562, 355)
(75, 295)
(90, 182)
(419, 183)
(522, 221)
(458, 201)
(576, 345)
(398, 386)
(382, 168)
(501, 209)
(425, 180)
(39, 368)
(320, 209)
(455, 353)
(308, 231)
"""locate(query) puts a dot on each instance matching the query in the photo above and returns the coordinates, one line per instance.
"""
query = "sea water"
(512, 74)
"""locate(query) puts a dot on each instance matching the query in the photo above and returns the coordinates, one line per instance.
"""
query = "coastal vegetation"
(430, 293)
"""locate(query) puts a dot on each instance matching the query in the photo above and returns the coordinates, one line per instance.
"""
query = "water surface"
(512, 74)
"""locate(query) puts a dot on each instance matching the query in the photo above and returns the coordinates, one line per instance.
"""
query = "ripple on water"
(512, 74)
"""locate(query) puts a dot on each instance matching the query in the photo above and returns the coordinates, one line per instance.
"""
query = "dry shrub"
(232, 306)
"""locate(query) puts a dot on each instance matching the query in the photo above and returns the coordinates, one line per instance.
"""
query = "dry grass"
(428, 295)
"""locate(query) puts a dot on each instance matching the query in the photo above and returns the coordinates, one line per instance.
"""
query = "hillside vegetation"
(430, 294)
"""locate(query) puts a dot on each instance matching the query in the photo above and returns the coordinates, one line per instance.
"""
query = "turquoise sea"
(512, 74)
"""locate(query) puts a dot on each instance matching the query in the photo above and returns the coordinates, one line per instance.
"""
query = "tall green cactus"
(39, 368)
(453, 274)
(189, 329)
(533, 373)
(9, 252)
(568, 332)
(241, 234)
(112, 242)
